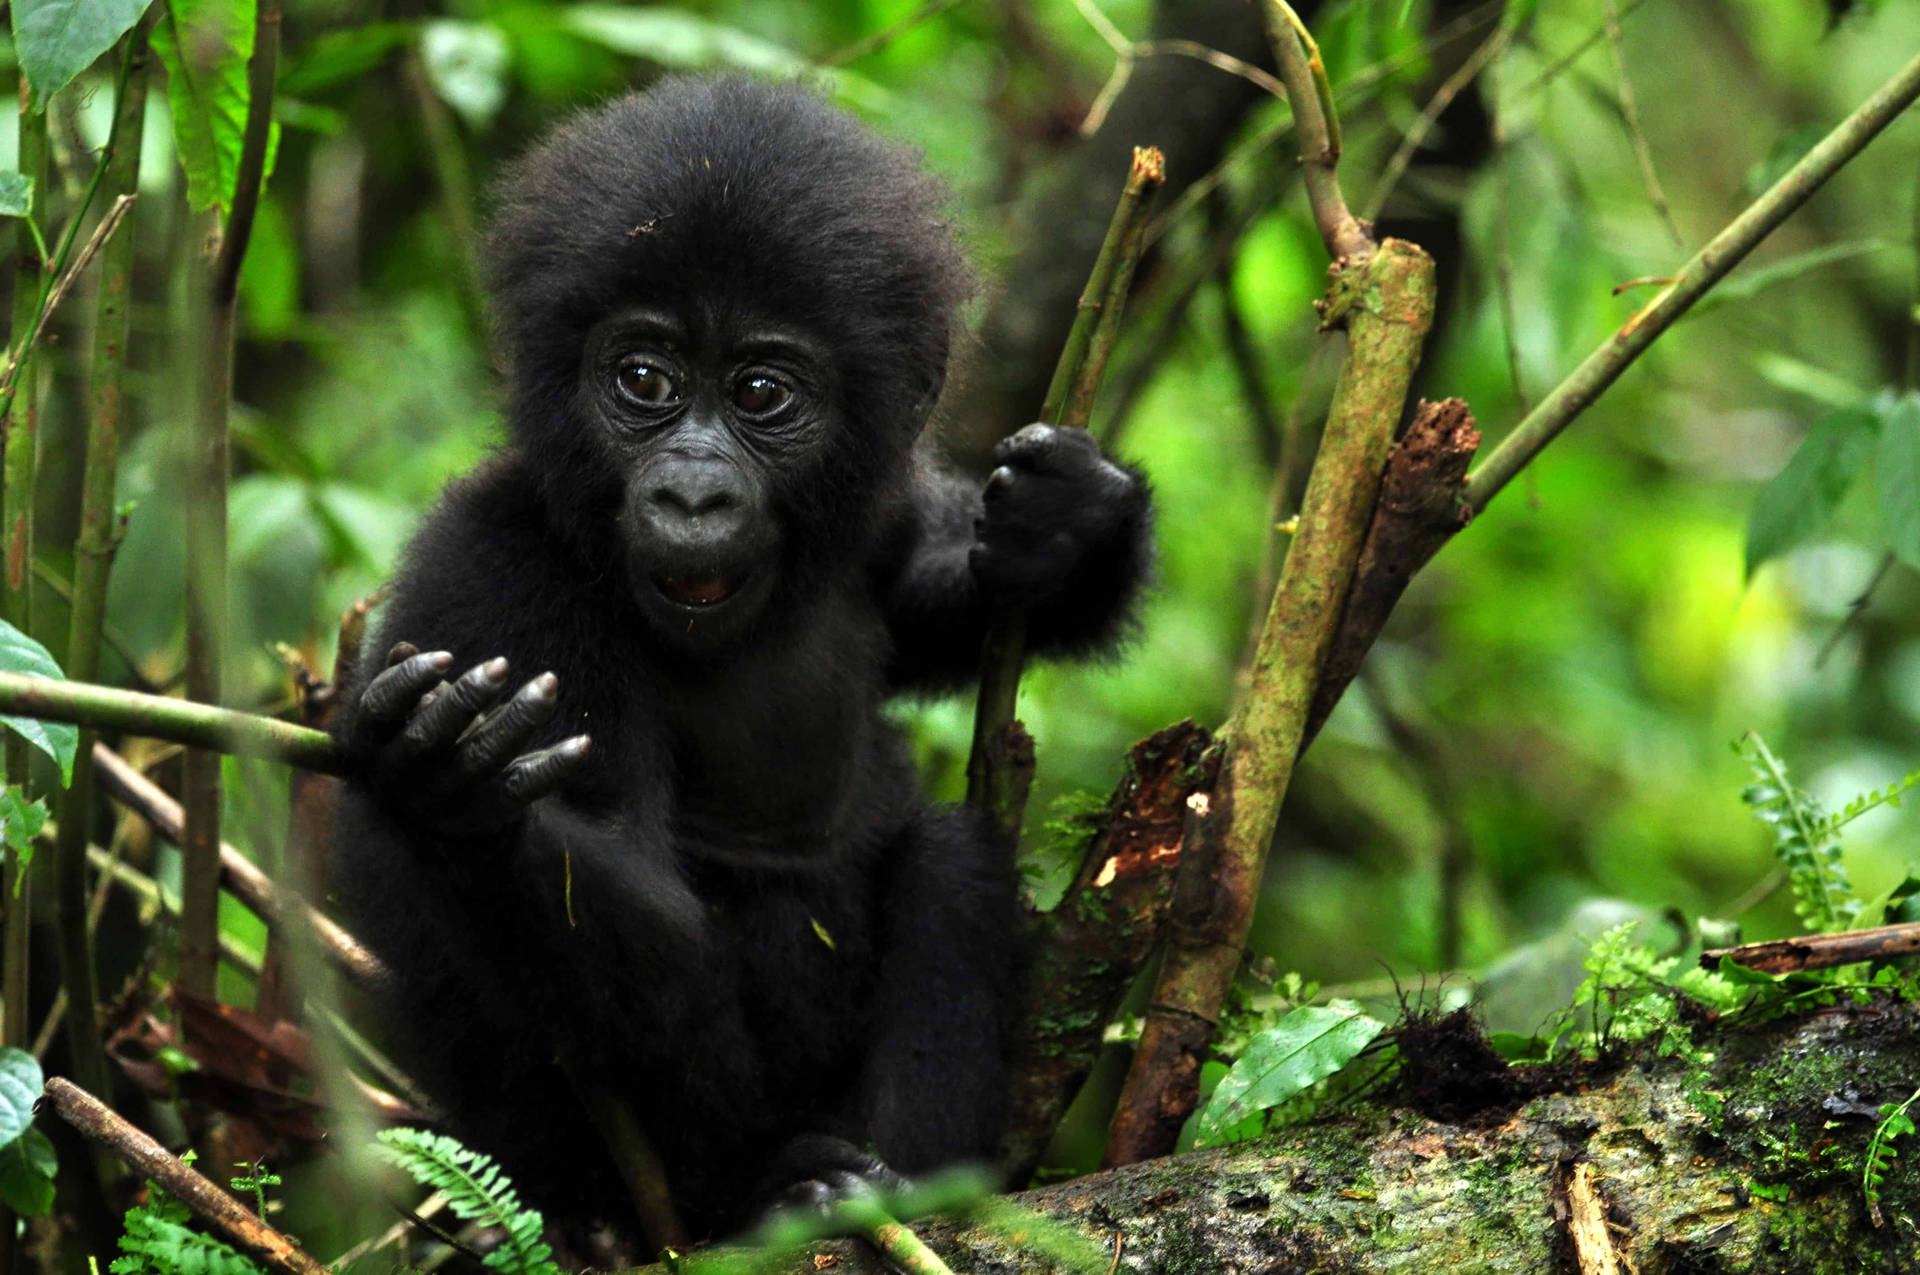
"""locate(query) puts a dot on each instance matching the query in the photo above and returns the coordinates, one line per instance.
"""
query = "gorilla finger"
(537, 774)
(443, 716)
(495, 738)
(394, 693)
(1029, 445)
(999, 483)
(401, 653)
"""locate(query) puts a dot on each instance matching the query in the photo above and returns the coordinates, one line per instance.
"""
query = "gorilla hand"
(1052, 501)
(815, 1171)
(447, 757)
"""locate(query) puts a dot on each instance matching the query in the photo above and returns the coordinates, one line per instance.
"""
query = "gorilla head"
(723, 340)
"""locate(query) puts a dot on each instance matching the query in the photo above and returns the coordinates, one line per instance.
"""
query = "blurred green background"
(1547, 721)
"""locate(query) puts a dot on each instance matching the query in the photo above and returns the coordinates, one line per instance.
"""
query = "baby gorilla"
(624, 796)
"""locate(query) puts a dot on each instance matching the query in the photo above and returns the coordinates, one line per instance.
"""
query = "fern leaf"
(477, 1190)
(1804, 840)
(157, 1241)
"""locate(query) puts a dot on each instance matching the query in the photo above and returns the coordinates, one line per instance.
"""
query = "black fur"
(735, 907)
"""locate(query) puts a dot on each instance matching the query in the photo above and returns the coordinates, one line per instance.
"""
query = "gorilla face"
(707, 417)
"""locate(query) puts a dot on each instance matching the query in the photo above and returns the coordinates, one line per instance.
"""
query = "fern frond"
(1803, 840)
(477, 1190)
(1894, 1123)
(158, 1241)
(1888, 796)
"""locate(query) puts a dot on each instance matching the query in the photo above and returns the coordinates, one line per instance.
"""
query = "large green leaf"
(58, 740)
(58, 39)
(337, 57)
(204, 45)
(20, 1082)
(1899, 473)
(1302, 1049)
(27, 1166)
(1803, 495)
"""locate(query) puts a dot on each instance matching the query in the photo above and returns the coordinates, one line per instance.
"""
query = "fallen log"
(1752, 1167)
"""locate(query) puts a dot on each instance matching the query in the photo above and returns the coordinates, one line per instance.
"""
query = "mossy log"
(1641, 1169)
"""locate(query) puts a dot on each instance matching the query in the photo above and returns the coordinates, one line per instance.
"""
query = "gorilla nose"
(695, 501)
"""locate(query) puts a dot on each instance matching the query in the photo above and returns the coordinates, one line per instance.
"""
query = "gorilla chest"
(765, 763)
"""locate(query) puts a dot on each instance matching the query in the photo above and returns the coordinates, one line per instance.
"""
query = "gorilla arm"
(1060, 531)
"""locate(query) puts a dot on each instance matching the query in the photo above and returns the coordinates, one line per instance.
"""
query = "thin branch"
(1442, 98)
(99, 1124)
(223, 730)
(1820, 951)
(1319, 131)
(240, 875)
(999, 764)
(1630, 116)
(871, 44)
(1711, 264)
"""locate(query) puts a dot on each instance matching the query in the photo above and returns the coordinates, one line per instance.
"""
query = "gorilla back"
(623, 795)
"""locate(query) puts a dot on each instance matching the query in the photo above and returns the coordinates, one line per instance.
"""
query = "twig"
(1855, 609)
(101, 233)
(223, 730)
(1820, 951)
(1319, 131)
(1711, 264)
(273, 904)
(1630, 116)
(870, 44)
(1554, 69)
(98, 1123)
(998, 768)
(1442, 98)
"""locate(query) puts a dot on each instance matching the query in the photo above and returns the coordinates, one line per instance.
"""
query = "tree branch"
(223, 730)
(1710, 265)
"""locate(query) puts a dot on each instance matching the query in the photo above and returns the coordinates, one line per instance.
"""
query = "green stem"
(93, 557)
(207, 522)
(199, 726)
(1711, 264)
(995, 781)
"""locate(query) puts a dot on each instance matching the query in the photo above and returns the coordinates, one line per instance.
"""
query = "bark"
(1627, 1168)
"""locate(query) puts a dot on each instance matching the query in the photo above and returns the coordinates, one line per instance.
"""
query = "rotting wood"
(1820, 951)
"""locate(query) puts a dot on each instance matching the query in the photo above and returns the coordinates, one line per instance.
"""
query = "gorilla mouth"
(694, 590)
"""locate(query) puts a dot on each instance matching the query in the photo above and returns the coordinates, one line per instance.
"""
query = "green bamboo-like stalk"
(1711, 264)
(198, 726)
(16, 530)
(93, 558)
(207, 475)
(995, 782)
(16, 535)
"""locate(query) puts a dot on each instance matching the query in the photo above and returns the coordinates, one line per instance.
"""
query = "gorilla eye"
(647, 383)
(761, 396)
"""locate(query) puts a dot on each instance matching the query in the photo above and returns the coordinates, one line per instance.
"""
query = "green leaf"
(466, 62)
(1796, 376)
(1899, 473)
(477, 1190)
(205, 44)
(674, 37)
(1803, 495)
(1302, 1049)
(27, 1166)
(58, 740)
(20, 822)
(58, 39)
(16, 194)
(20, 1082)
